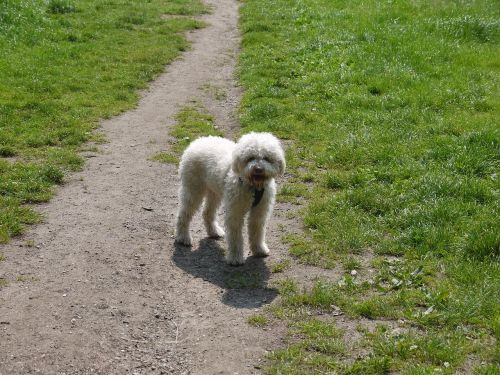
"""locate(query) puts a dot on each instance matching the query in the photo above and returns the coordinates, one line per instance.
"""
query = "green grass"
(315, 344)
(165, 157)
(192, 122)
(280, 266)
(64, 65)
(392, 108)
(413, 352)
(422, 342)
(258, 320)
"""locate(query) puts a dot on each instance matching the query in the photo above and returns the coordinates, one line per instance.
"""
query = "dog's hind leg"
(190, 201)
(212, 202)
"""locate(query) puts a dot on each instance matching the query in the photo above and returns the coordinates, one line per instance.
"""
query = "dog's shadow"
(243, 287)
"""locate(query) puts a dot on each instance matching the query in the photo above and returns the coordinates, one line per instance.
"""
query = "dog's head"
(257, 158)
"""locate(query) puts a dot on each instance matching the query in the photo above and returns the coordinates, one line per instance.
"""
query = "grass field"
(392, 108)
(64, 65)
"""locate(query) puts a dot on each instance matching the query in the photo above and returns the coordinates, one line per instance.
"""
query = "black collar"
(257, 196)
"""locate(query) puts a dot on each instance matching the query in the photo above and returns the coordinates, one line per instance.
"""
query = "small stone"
(395, 281)
(336, 310)
(354, 273)
(429, 310)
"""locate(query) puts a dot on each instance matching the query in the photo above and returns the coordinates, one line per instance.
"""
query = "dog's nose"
(258, 170)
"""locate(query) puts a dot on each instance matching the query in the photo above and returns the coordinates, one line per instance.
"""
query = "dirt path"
(104, 290)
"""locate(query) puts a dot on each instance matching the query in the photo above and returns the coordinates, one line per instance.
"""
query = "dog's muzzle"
(258, 176)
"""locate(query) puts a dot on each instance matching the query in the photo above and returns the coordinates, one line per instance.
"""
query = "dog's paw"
(260, 250)
(215, 231)
(185, 240)
(235, 259)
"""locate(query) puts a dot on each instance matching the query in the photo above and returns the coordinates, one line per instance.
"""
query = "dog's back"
(206, 161)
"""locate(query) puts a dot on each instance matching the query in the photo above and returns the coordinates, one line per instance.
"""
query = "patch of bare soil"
(104, 289)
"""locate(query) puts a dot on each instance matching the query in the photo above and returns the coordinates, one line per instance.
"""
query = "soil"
(100, 287)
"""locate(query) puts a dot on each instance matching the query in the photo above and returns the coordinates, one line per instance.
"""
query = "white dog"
(242, 175)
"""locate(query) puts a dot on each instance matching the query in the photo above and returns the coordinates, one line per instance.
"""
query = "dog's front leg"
(235, 216)
(257, 221)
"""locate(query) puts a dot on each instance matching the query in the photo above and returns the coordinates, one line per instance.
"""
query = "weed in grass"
(315, 329)
(307, 250)
(97, 138)
(319, 350)
(351, 264)
(308, 178)
(258, 320)
(377, 307)
(7, 151)
(14, 217)
(280, 266)
(292, 192)
(165, 157)
(297, 360)
(370, 366)
(61, 6)
(414, 350)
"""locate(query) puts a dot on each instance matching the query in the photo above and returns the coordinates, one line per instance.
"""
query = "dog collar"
(257, 194)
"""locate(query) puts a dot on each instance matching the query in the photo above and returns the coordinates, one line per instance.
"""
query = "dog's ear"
(281, 164)
(280, 158)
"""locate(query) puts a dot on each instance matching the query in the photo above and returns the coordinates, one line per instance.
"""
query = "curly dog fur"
(242, 175)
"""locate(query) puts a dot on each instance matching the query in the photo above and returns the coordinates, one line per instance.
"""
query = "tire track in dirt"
(104, 290)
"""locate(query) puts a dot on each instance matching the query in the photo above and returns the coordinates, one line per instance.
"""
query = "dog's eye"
(249, 159)
(269, 160)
